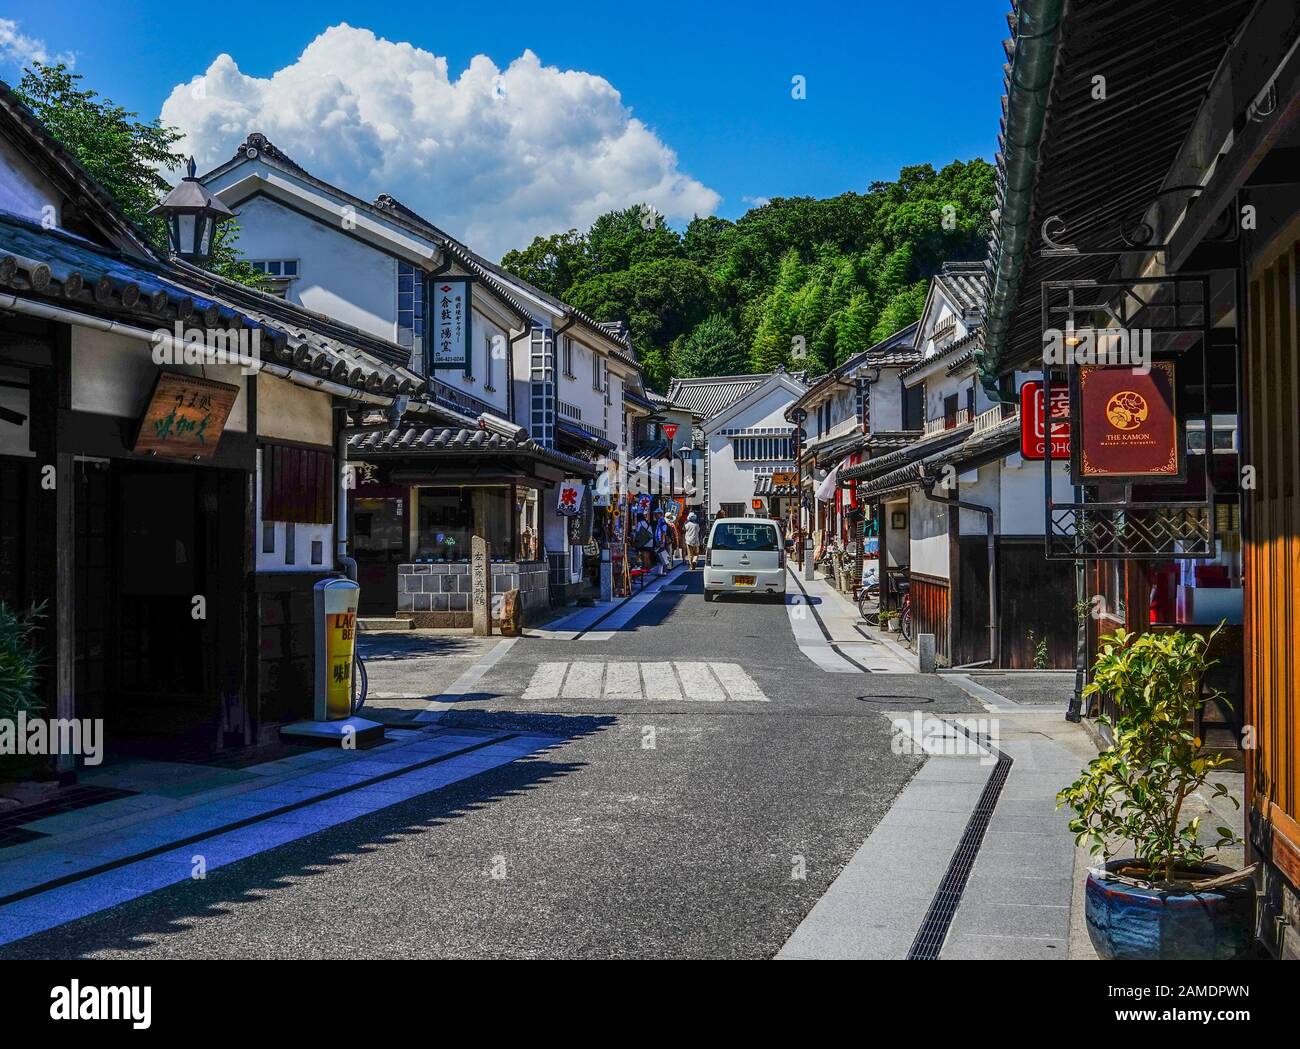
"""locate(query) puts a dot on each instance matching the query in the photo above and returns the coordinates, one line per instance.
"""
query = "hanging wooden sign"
(185, 418)
(1129, 423)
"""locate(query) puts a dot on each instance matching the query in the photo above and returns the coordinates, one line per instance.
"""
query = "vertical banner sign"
(569, 502)
(1033, 441)
(449, 326)
(1129, 424)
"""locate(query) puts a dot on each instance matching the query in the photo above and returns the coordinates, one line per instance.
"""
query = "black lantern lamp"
(192, 214)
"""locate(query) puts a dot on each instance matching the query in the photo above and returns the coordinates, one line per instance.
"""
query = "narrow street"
(697, 826)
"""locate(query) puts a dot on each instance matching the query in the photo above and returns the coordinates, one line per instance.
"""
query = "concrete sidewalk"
(838, 626)
(1011, 871)
(181, 816)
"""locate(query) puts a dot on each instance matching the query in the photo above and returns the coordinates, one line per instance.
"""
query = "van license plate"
(742, 580)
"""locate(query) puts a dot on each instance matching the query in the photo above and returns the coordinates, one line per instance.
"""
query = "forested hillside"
(798, 281)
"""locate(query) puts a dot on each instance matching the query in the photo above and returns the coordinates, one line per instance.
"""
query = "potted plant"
(1167, 900)
(890, 620)
(20, 663)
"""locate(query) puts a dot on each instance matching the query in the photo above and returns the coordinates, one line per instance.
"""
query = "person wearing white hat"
(692, 537)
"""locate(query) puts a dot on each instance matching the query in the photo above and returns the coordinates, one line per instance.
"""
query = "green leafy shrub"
(20, 661)
(1137, 788)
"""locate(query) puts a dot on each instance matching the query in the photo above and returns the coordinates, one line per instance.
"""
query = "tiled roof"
(970, 341)
(710, 396)
(79, 275)
(991, 443)
(966, 283)
(582, 436)
(888, 440)
(414, 440)
(896, 350)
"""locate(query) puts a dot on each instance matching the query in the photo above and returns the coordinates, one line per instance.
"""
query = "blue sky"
(887, 83)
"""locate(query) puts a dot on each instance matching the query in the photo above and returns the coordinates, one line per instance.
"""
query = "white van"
(744, 555)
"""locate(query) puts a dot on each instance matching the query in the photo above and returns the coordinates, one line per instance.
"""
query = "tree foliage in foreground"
(124, 155)
(799, 282)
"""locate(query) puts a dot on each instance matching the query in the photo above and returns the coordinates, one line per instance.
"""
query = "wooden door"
(1272, 548)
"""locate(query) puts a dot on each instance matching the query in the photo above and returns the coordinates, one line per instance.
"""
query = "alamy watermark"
(23, 736)
(936, 737)
(1127, 347)
(664, 476)
(241, 347)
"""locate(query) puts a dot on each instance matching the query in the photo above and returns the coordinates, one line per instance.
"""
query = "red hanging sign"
(670, 430)
(1129, 424)
(1033, 441)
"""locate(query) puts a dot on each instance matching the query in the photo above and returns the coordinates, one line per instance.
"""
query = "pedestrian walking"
(643, 542)
(663, 543)
(692, 536)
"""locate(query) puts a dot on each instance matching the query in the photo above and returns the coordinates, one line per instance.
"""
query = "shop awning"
(417, 442)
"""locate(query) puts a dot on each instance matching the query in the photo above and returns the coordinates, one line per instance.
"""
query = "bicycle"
(360, 682)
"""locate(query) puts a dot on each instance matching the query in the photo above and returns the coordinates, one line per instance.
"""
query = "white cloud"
(18, 49)
(757, 202)
(494, 157)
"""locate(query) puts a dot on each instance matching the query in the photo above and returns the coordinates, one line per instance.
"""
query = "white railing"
(986, 420)
(947, 422)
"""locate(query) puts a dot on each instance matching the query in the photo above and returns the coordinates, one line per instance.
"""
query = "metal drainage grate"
(938, 919)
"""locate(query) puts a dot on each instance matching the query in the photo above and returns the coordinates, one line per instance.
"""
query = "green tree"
(121, 153)
(619, 240)
(553, 263)
(712, 348)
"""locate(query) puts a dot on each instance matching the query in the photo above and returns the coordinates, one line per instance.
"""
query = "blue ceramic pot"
(1139, 924)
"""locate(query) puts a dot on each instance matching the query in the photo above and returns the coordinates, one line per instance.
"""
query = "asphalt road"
(660, 828)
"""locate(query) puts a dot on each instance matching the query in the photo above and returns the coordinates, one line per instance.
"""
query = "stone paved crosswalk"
(670, 682)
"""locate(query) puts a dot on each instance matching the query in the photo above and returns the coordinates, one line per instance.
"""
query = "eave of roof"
(73, 273)
(1166, 55)
(417, 442)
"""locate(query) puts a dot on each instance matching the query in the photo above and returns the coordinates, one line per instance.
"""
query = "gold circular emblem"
(1127, 410)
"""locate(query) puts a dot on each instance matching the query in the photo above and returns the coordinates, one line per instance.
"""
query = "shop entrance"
(378, 519)
(159, 566)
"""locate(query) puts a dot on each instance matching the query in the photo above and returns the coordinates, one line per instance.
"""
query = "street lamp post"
(192, 215)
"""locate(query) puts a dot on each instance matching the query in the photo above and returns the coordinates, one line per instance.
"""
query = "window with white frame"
(568, 357)
(277, 274)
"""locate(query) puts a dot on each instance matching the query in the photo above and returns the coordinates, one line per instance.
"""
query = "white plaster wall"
(979, 486)
(292, 413)
(1022, 494)
(887, 402)
(338, 274)
(114, 375)
(733, 482)
(24, 191)
(928, 524)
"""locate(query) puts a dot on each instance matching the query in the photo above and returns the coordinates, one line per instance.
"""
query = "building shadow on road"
(146, 922)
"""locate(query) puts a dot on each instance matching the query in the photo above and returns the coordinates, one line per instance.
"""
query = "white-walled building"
(968, 450)
(553, 378)
(745, 436)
